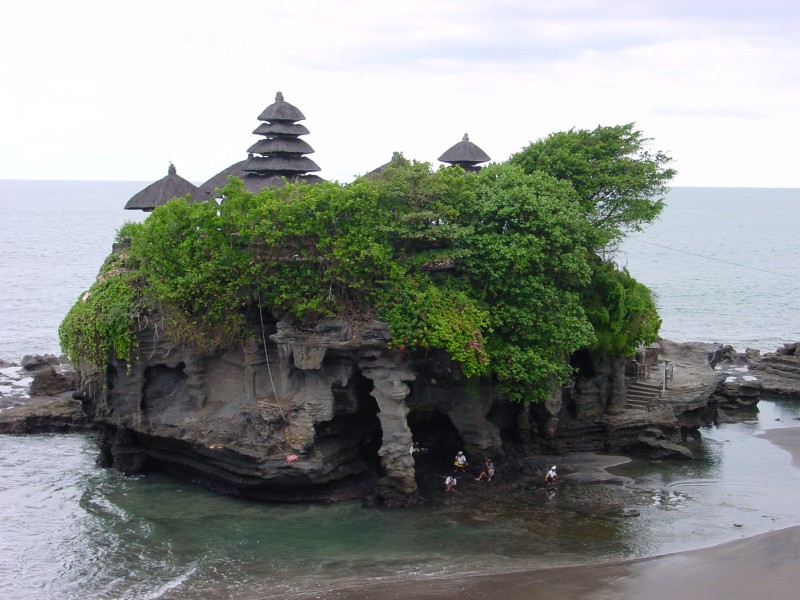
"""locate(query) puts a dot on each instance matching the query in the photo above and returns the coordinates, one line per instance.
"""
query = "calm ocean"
(724, 263)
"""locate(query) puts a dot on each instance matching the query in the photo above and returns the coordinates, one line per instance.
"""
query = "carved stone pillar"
(617, 393)
(390, 392)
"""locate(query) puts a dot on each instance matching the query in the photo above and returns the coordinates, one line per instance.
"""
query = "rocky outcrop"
(327, 413)
(51, 375)
(35, 397)
(736, 393)
(778, 373)
(303, 415)
(332, 413)
(721, 354)
(748, 376)
(37, 414)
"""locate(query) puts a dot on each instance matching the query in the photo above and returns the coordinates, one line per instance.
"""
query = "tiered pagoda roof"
(282, 152)
(277, 158)
(280, 156)
(465, 154)
(274, 160)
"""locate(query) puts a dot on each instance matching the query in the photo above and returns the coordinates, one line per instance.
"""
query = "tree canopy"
(618, 181)
(499, 269)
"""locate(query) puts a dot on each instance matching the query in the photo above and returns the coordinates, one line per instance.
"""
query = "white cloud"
(94, 90)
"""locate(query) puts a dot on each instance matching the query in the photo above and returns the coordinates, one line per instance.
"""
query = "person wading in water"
(552, 477)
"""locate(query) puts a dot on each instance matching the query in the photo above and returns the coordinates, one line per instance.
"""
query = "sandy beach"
(766, 566)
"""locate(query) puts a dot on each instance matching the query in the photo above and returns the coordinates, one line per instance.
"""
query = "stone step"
(640, 395)
(639, 390)
(648, 389)
(645, 399)
(637, 406)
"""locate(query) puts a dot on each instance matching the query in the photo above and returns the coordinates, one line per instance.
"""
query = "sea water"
(70, 530)
(724, 265)
(53, 240)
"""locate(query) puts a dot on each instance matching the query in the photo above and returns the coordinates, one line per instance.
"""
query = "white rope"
(264, 341)
(727, 262)
(290, 458)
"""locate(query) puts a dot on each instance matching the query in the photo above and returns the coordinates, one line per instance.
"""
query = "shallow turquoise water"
(71, 530)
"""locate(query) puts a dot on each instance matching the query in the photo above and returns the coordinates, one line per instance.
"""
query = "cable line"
(716, 259)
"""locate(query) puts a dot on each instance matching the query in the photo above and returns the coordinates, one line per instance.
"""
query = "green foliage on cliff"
(497, 268)
(101, 322)
(197, 270)
(620, 184)
(621, 311)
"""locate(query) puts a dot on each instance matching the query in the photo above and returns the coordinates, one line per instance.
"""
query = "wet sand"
(765, 567)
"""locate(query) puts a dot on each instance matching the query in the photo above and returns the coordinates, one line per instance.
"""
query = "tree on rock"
(619, 183)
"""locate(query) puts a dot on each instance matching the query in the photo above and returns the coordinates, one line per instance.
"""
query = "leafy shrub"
(498, 268)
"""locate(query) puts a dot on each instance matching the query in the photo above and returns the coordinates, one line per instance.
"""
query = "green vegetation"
(621, 311)
(500, 269)
(619, 182)
(102, 321)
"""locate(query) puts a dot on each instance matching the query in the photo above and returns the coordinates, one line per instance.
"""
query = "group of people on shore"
(460, 465)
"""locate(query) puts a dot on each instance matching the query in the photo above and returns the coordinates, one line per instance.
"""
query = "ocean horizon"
(723, 263)
(724, 266)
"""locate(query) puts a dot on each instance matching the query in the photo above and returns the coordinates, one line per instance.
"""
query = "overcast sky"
(92, 89)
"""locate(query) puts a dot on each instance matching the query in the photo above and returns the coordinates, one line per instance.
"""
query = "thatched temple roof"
(465, 154)
(280, 145)
(276, 159)
(279, 128)
(282, 152)
(208, 189)
(252, 183)
(396, 156)
(280, 110)
(162, 191)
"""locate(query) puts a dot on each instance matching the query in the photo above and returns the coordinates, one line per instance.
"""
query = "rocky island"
(351, 421)
(289, 339)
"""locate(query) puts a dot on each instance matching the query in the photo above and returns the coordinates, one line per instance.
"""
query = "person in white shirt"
(552, 477)
(460, 462)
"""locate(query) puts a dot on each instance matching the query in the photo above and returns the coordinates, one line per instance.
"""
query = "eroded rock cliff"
(333, 413)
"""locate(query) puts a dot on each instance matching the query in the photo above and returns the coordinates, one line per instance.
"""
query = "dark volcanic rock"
(652, 442)
(33, 362)
(779, 372)
(736, 395)
(332, 413)
(320, 416)
(773, 374)
(49, 381)
(44, 415)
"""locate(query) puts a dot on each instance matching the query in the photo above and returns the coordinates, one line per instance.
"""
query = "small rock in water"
(737, 525)
(778, 419)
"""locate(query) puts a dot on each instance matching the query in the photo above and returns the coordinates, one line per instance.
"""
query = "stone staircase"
(641, 394)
